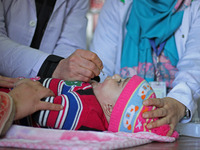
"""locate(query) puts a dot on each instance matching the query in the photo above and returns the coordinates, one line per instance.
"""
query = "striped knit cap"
(127, 112)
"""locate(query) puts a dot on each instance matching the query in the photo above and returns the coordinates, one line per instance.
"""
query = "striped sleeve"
(65, 95)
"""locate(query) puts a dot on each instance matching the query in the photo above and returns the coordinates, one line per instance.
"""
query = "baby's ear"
(108, 109)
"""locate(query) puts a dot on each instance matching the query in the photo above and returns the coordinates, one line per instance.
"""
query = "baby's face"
(109, 91)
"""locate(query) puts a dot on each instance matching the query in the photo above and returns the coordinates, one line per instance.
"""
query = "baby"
(114, 105)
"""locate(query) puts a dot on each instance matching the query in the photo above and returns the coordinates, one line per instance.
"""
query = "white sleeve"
(15, 59)
(187, 81)
(73, 34)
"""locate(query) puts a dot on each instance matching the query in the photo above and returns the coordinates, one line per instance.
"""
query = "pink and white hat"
(127, 112)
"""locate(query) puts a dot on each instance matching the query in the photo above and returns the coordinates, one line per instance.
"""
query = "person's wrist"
(181, 109)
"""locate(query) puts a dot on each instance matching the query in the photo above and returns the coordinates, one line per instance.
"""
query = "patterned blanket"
(40, 138)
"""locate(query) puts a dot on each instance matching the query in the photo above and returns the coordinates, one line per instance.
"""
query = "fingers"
(85, 69)
(160, 112)
(49, 106)
(7, 82)
(169, 111)
(41, 91)
(80, 77)
(158, 123)
(44, 92)
(88, 55)
(8, 79)
(154, 102)
(82, 65)
(89, 68)
(27, 96)
(77, 73)
(21, 81)
(90, 65)
(170, 132)
(161, 122)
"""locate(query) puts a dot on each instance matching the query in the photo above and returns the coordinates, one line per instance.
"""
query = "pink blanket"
(39, 138)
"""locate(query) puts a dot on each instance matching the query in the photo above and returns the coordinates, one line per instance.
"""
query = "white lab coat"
(110, 33)
(65, 32)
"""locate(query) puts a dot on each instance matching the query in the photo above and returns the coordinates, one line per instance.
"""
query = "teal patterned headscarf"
(150, 19)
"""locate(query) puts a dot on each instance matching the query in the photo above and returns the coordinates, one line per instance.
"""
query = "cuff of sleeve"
(49, 66)
(187, 116)
(38, 65)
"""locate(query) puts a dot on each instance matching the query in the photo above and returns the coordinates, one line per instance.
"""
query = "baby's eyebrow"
(125, 81)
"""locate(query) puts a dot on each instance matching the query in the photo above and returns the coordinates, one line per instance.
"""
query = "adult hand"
(82, 65)
(27, 95)
(169, 111)
(7, 82)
